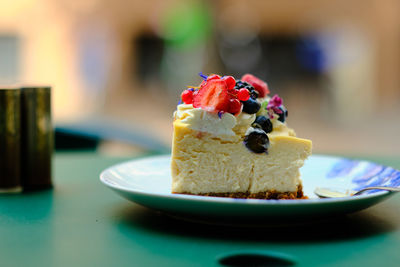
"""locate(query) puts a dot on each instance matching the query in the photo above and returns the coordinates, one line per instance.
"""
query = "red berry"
(213, 76)
(209, 78)
(243, 94)
(213, 96)
(234, 106)
(230, 81)
(257, 83)
(187, 96)
(233, 92)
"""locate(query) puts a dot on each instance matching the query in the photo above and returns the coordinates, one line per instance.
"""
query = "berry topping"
(213, 77)
(230, 82)
(187, 96)
(257, 141)
(251, 106)
(225, 94)
(254, 94)
(241, 84)
(263, 123)
(283, 115)
(212, 96)
(243, 94)
(258, 84)
(208, 78)
(234, 106)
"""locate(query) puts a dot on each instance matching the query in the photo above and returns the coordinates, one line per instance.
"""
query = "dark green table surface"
(82, 223)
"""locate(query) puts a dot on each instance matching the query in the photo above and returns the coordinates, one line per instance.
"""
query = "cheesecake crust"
(270, 194)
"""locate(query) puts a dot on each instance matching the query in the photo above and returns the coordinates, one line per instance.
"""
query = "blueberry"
(257, 141)
(251, 106)
(263, 123)
(283, 115)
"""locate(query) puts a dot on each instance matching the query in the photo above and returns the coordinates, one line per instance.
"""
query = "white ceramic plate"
(147, 181)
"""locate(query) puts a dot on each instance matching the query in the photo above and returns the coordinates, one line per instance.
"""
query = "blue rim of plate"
(310, 201)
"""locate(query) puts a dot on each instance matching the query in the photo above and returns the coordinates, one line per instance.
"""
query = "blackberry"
(257, 141)
(254, 94)
(241, 84)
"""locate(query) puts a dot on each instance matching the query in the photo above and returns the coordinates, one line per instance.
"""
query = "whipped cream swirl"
(203, 121)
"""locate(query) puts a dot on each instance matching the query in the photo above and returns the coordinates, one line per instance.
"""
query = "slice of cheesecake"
(245, 153)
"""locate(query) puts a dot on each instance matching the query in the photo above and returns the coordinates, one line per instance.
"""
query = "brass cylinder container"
(10, 140)
(37, 138)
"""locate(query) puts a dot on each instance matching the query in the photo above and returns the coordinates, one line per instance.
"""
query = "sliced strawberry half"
(210, 77)
(257, 83)
(213, 76)
(213, 96)
(230, 82)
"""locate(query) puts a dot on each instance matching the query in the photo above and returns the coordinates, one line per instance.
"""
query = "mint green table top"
(82, 223)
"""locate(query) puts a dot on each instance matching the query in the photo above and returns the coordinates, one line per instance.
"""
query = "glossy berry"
(187, 96)
(243, 94)
(230, 82)
(257, 141)
(209, 78)
(213, 76)
(234, 106)
(212, 97)
(264, 123)
(241, 84)
(282, 117)
(254, 94)
(251, 106)
(257, 83)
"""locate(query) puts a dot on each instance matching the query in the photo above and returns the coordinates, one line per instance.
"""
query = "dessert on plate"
(231, 139)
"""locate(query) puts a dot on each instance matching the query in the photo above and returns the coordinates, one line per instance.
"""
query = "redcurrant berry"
(187, 96)
(234, 106)
(243, 94)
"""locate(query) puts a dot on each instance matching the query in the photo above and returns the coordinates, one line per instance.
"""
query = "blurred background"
(120, 66)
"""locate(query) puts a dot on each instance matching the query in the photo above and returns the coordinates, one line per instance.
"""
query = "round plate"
(147, 181)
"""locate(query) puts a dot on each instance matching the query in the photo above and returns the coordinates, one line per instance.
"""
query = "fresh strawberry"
(212, 97)
(230, 81)
(258, 84)
(213, 76)
(210, 77)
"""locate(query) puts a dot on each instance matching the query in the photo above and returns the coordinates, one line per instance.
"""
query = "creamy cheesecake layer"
(204, 162)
